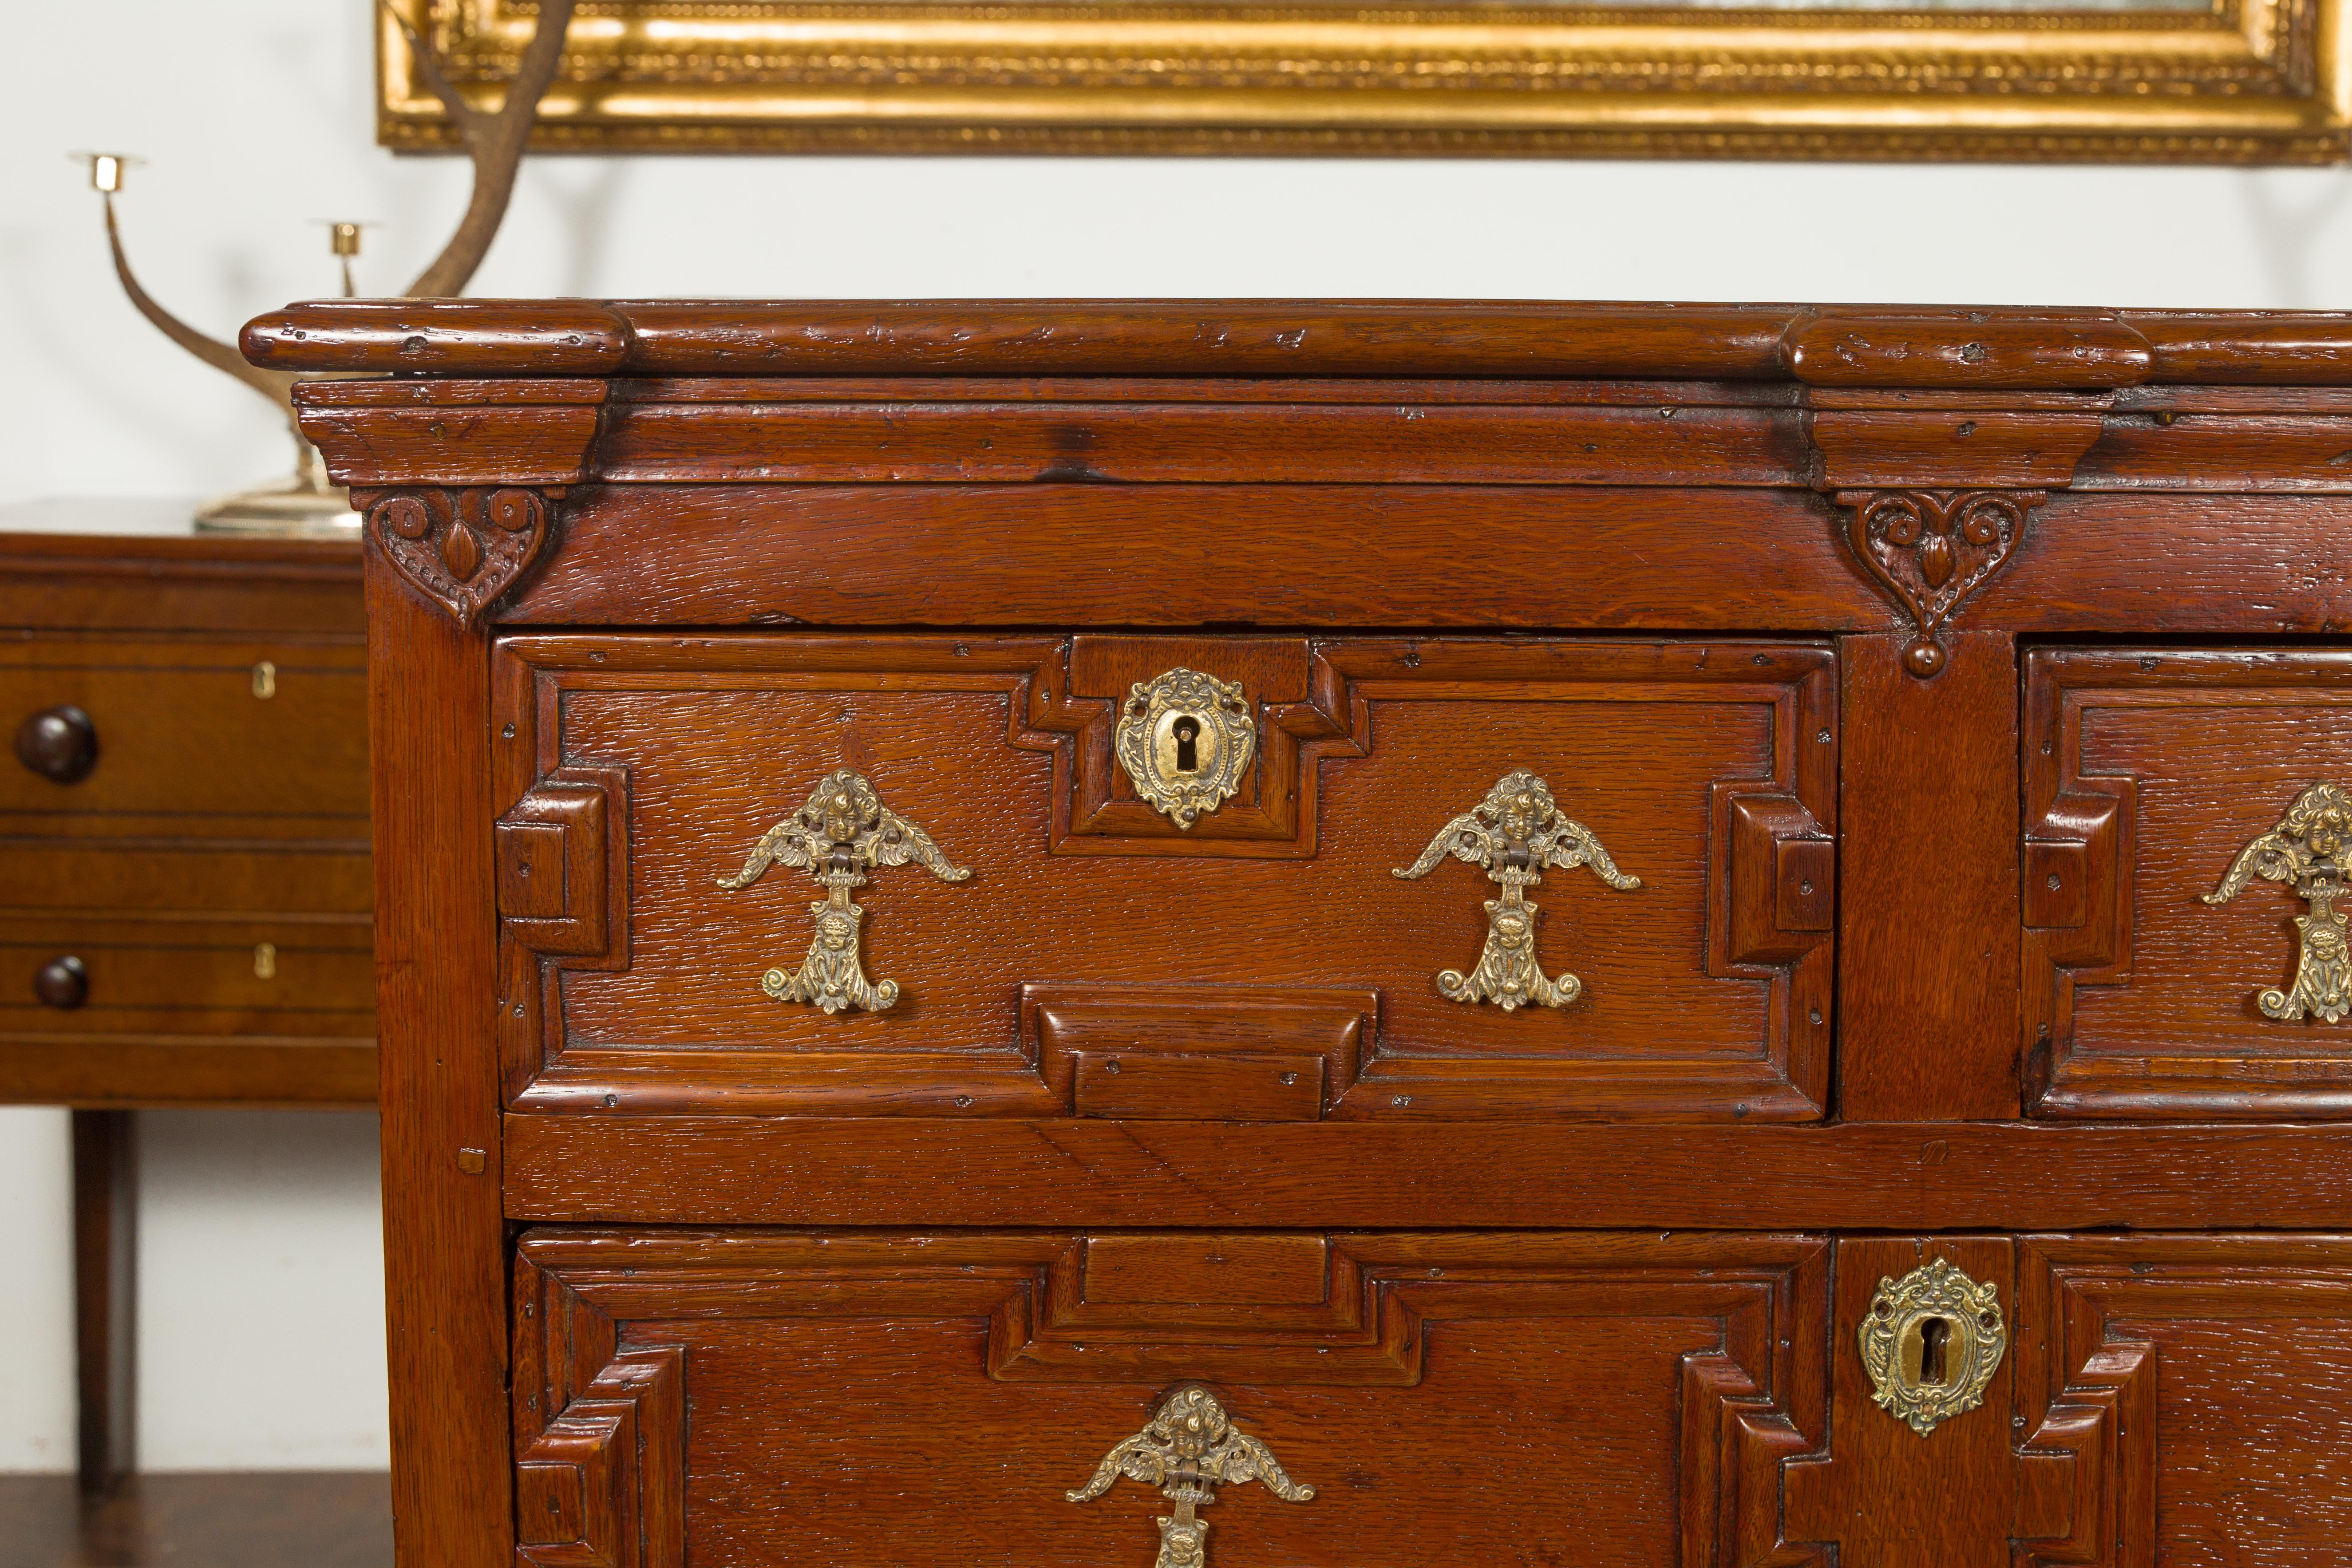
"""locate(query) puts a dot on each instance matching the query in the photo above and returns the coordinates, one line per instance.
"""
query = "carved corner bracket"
(1930, 549)
(463, 549)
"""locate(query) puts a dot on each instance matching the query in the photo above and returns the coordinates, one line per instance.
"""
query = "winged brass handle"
(841, 833)
(1189, 1447)
(1514, 834)
(2311, 849)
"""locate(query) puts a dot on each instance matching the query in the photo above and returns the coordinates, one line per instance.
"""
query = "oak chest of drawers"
(1484, 934)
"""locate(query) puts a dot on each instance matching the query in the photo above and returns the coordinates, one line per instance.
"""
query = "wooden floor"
(248, 1519)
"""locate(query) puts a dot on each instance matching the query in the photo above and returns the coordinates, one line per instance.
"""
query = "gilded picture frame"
(2209, 81)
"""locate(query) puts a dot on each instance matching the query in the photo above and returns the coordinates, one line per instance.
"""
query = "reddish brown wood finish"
(106, 1284)
(1893, 1175)
(1886, 1494)
(209, 820)
(2186, 1397)
(2147, 770)
(1158, 1105)
(2021, 349)
(444, 1247)
(1701, 745)
(1929, 905)
(1914, 346)
(184, 800)
(1416, 1381)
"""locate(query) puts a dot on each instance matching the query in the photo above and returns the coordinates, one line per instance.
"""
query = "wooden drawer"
(78, 977)
(200, 732)
(1073, 950)
(1475, 1399)
(898, 1399)
(2159, 981)
(2184, 1399)
(173, 877)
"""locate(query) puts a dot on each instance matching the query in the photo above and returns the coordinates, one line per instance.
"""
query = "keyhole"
(1187, 744)
(1933, 1333)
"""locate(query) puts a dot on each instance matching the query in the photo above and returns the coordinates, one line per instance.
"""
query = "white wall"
(254, 114)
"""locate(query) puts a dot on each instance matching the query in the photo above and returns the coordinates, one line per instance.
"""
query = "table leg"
(105, 1279)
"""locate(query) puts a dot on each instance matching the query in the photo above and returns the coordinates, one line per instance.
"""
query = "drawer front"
(80, 976)
(1372, 877)
(854, 1398)
(184, 877)
(135, 1071)
(2187, 834)
(1391, 1400)
(2184, 1400)
(197, 730)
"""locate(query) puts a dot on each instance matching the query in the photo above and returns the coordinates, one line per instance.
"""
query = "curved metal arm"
(274, 384)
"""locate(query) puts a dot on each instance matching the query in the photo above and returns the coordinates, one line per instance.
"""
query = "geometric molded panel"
(2146, 773)
(1008, 1359)
(1708, 768)
(2183, 1399)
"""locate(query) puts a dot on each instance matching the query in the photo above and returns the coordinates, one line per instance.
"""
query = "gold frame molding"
(2244, 81)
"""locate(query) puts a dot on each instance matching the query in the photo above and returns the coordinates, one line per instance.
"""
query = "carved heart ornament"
(462, 549)
(1932, 548)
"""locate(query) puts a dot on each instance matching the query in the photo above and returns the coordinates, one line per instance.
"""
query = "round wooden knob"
(59, 744)
(62, 983)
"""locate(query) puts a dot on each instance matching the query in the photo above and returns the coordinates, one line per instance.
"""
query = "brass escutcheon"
(1512, 835)
(1188, 1449)
(1184, 741)
(842, 832)
(1931, 1343)
(2311, 849)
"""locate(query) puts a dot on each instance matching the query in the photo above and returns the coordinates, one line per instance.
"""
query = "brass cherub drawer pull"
(1931, 1344)
(1189, 1446)
(1514, 834)
(842, 831)
(2308, 850)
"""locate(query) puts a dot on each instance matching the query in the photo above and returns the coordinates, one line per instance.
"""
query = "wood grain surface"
(273, 1518)
(1481, 1396)
(1852, 1176)
(1929, 905)
(445, 1254)
(720, 740)
(2201, 751)
(2202, 1385)
(1890, 1497)
(1917, 968)
(1876, 345)
(223, 811)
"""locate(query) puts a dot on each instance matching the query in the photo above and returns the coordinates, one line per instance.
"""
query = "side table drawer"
(193, 729)
(78, 977)
(2187, 841)
(177, 876)
(1190, 877)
